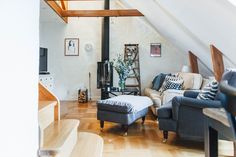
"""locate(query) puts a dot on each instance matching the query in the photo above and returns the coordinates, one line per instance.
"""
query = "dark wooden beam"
(105, 43)
(193, 62)
(106, 33)
(217, 61)
(101, 13)
(57, 9)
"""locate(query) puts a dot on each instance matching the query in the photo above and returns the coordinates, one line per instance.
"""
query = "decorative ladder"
(132, 52)
(60, 138)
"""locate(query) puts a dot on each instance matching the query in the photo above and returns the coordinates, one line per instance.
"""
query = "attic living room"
(112, 78)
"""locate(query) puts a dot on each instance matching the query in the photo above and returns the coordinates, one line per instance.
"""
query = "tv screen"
(104, 75)
(43, 60)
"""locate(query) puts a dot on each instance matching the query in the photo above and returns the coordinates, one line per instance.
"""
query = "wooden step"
(60, 137)
(88, 145)
(46, 113)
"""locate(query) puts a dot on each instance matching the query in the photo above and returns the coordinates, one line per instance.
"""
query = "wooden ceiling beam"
(193, 62)
(217, 62)
(63, 5)
(57, 9)
(101, 13)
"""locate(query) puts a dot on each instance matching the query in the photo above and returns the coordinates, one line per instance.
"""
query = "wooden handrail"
(46, 95)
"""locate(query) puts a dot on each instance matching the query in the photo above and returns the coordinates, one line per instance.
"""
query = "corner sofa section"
(192, 81)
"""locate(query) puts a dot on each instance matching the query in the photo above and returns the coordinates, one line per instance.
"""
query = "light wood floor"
(142, 141)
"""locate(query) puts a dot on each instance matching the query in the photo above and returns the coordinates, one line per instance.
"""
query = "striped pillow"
(209, 91)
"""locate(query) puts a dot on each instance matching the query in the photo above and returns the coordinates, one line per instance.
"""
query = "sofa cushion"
(125, 104)
(149, 91)
(158, 81)
(165, 111)
(205, 81)
(109, 105)
(191, 80)
(157, 99)
(170, 94)
(188, 80)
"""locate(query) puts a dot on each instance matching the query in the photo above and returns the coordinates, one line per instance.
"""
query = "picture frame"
(71, 46)
(155, 49)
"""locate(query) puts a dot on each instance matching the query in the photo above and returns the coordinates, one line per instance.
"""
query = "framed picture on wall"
(71, 46)
(155, 50)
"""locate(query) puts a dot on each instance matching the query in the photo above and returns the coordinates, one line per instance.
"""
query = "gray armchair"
(184, 116)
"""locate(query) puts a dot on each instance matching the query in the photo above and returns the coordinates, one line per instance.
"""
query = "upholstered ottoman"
(123, 109)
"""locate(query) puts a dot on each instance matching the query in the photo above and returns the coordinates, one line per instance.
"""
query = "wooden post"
(105, 43)
(193, 62)
(217, 62)
(106, 33)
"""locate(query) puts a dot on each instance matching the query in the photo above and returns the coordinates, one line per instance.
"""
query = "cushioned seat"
(148, 91)
(123, 109)
(113, 106)
(218, 114)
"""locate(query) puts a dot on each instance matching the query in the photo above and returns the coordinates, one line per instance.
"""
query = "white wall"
(140, 32)
(19, 78)
(72, 72)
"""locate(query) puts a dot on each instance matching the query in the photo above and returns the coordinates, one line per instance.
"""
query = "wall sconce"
(185, 69)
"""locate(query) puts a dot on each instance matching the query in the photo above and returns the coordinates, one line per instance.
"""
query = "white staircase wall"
(19, 51)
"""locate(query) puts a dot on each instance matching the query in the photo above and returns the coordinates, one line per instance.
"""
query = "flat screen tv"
(43, 61)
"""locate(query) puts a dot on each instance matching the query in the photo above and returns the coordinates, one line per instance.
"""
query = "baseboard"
(94, 98)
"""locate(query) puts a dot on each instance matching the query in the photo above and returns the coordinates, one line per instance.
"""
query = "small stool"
(123, 109)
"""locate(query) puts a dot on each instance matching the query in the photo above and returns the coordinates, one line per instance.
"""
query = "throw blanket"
(125, 103)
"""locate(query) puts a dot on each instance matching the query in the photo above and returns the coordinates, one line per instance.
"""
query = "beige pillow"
(191, 80)
(188, 80)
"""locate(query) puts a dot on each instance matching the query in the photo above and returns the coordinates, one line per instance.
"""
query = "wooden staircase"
(60, 138)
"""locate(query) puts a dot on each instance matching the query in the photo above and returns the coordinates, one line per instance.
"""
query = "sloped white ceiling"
(194, 25)
(188, 24)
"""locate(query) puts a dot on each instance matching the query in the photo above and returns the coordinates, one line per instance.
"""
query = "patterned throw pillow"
(172, 82)
(209, 91)
(158, 81)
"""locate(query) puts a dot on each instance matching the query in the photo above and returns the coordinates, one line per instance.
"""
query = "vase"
(122, 84)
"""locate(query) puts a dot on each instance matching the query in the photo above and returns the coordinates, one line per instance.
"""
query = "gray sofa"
(184, 115)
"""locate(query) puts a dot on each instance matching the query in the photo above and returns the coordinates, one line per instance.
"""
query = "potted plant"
(123, 68)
